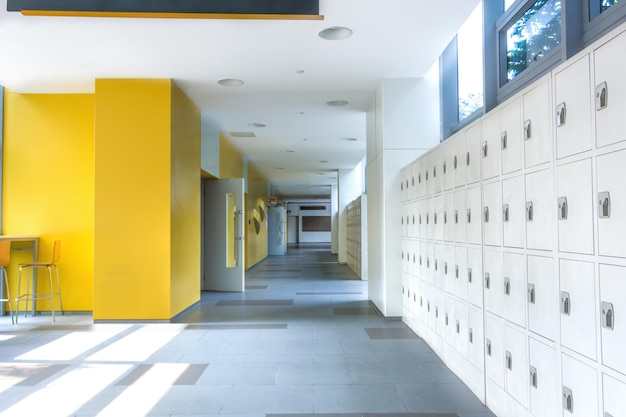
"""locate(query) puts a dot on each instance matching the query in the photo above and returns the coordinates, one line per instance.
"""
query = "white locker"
(449, 269)
(435, 170)
(540, 206)
(543, 297)
(460, 328)
(491, 145)
(426, 175)
(475, 276)
(492, 214)
(413, 265)
(494, 350)
(430, 263)
(411, 208)
(459, 217)
(424, 303)
(437, 266)
(473, 153)
(516, 364)
(514, 273)
(447, 171)
(404, 221)
(614, 393)
(612, 316)
(573, 113)
(610, 92)
(575, 207)
(473, 215)
(579, 394)
(416, 176)
(476, 345)
(449, 320)
(458, 158)
(415, 307)
(440, 323)
(460, 273)
(403, 185)
(404, 255)
(448, 216)
(493, 282)
(611, 203)
(511, 141)
(513, 212)
(423, 207)
(537, 131)
(578, 307)
(421, 260)
(544, 379)
(405, 291)
(436, 218)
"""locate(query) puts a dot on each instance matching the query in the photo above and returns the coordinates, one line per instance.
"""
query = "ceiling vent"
(242, 134)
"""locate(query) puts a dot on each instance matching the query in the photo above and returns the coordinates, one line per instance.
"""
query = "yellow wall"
(256, 245)
(48, 184)
(231, 160)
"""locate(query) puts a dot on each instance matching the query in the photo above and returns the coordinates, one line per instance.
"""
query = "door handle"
(563, 209)
(485, 149)
(469, 275)
(456, 271)
(503, 140)
(444, 167)
(505, 212)
(507, 286)
(470, 332)
(446, 319)
(566, 307)
(527, 129)
(488, 346)
(458, 327)
(426, 177)
(509, 360)
(435, 218)
(487, 280)
(467, 158)
(604, 202)
(445, 268)
(454, 162)
(486, 214)
(568, 400)
(602, 96)
(560, 114)
(456, 217)
(531, 293)
(533, 377)
(469, 216)
(529, 211)
(445, 217)
(608, 315)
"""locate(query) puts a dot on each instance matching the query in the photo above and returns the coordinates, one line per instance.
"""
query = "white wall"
(313, 237)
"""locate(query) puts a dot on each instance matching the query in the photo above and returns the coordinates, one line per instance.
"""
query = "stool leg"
(8, 294)
(56, 270)
(51, 292)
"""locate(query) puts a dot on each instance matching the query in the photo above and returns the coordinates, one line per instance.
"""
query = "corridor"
(302, 340)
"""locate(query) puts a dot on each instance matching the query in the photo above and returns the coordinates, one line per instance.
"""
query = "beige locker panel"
(494, 350)
(449, 320)
(513, 212)
(475, 276)
(493, 282)
(516, 364)
(575, 207)
(544, 379)
(475, 339)
(611, 204)
(472, 158)
(579, 393)
(490, 147)
(460, 273)
(540, 210)
(448, 216)
(543, 297)
(613, 316)
(614, 393)
(610, 92)
(572, 114)
(511, 141)
(459, 217)
(461, 343)
(537, 125)
(449, 269)
(514, 302)
(492, 214)
(578, 307)
(473, 214)
(459, 166)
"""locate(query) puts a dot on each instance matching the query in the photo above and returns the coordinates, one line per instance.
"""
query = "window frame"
(597, 24)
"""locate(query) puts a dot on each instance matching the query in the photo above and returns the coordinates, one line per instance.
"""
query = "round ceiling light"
(323, 161)
(230, 82)
(337, 103)
(349, 139)
(335, 33)
(256, 125)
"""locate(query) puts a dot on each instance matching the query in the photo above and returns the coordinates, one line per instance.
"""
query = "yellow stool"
(5, 257)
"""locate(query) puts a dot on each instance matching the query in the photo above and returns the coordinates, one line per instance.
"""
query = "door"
(276, 230)
(537, 132)
(224, 235)
(575, 207)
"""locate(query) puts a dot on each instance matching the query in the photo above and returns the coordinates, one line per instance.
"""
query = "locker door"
(493, 282)
(516, 364)
(449, 269)
(492, 214)
(579, 395)
(417, 175)
(430, 263)
(405, 290)
(540, 203)
(440, 323)
(544, 380)
(610, 203)
(412, 194)
(514, 273)
(436, 163)
(423, 303)
(458, 159)
(614, 393)
(494, 350)
(610, 92)
(537, 132)
(476, 341)
(460, 272)
(449, 320)
(543, 297)
(430, 308)
(437, 266)
(578, 307)
(491, 146)
(572, 113)
(475, 277)
(415, 307)
(421, 260)
(612, 313)
(460, 328)
(513, 212)
(511, 141)
(447, 170)
(473, 215)
(472, 157)
(403, 185)
(459, 217)
(575, 207)
(424, 208)
(448, 216)
(413, 266)
(405, 255)
(404, 221)
(436, 220)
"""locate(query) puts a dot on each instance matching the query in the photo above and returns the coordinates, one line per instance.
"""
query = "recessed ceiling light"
(288, 151)
(305, 139)
(242, 134)
(301, 112)
(279, 168)
(300, 72)
(323, 161)
(230, 82)
(320, 173)
(256, 125)
(349, 139)
(337, 103)
(335, 33)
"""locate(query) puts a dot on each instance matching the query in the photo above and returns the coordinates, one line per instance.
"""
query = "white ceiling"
(392, 39)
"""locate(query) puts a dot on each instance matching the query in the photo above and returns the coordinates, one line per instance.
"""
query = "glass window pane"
(533, 35)
(507, 4)
(470, 63)
(605, 4)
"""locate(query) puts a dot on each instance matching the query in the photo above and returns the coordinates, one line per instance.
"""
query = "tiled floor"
(302, 341)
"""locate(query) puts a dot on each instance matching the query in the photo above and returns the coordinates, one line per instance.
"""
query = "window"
(470, 64)
(605, 4)
(600, 16)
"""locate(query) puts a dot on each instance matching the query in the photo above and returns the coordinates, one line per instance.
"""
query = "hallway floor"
(302, 340)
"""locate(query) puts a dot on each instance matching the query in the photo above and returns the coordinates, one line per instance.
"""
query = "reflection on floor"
(302, 340)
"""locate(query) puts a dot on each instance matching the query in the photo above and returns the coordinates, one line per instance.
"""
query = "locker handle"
(407, 183)
(507, 286)
(426, 178)
(505, 212)
(487, 280)
(414, 297)
(485, 149)
(533, 377)
(445, 217)
(420, 259)
(456, 271)
(503, 140)
(469, 275)
(531, 293)
(568, 400)
(529, 211)
(435, 171)
(403, 256)
(486, 214)
(444, 167)
(428, 306)
(456, 216)
(419, 178)
(488, 344)
(469, 216)
(414, 219)
(527, 129)
(566, 307)
(421, 302)
(604, 201)
(435, 218)
(446, 319)
(402, 186)
(454, 163)
(467, 158)
(471, 335)
(602, 94)
(560, 114)
(402, 220)
(403, 290)
(436, 311)
(427, 218)
(436, 265)
(413, 258)
(458, 327)
(419, 218)
(563, 209)
(509, 360)
(445, 268)
(413, 181)
(427, 262)
(408, 294)
(608, 315)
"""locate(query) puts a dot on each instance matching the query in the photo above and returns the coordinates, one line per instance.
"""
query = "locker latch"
(568, 400)
(444, 167)
(487, 280)
(507, 286)
(445, 217)
(467, 158)
(505, 212)
(454, 163)
(469, 216)
(414, 219)
(485, 149)
(565, 303)
(471, 335)
(421, 302)
(419, 218)
(531, 293)
(426, 177)
(488, 346)
(469, 275)
(428, 306)
(560, 114)
(445, 268)
(509, 360)
(420, 259)
(458, 327)
(529, 211)
(436, 311)
(456, 271)
(435, 171)
(436, 265)
(604, 205)
(602, 96)
(435, 218)
(503, 140)
(427, 218)
(486, 214)
(527, 129)
(562, 208)
(456, 216)
(427, 262)
(608, 315)
(446, 319)
(419, 178)
(533, 377)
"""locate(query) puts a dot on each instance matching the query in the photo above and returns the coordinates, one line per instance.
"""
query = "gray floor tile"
(252, 399)
(357, 398)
